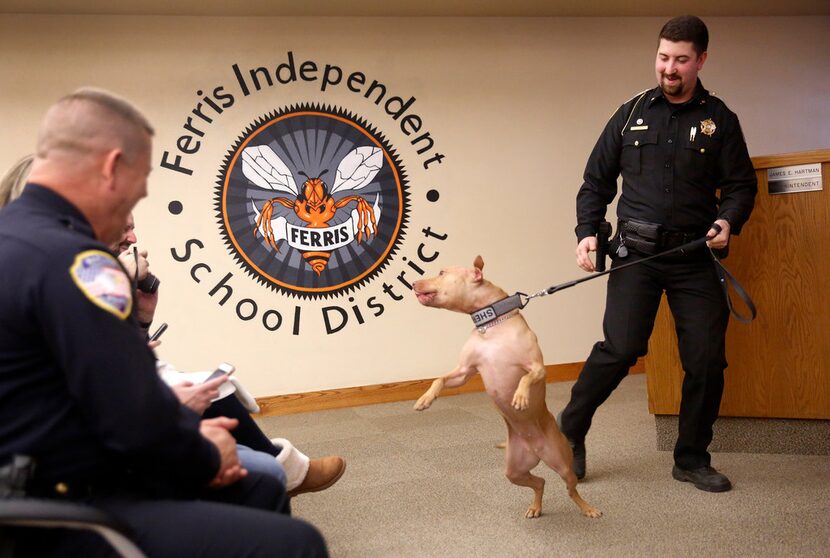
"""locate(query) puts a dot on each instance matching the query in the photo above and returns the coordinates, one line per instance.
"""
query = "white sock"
(293, 461)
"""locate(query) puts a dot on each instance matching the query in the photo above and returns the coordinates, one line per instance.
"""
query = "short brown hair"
(687, 28)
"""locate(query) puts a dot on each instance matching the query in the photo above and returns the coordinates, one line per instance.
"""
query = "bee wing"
(264, 168)
(278, 225)
(358, 168)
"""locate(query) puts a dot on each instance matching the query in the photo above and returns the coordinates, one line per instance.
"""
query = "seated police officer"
(79, 392)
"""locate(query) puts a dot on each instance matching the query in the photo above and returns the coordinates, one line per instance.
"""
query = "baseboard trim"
(395, 391)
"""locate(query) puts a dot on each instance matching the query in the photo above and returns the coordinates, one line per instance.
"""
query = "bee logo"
(314, 204)
(333, 232)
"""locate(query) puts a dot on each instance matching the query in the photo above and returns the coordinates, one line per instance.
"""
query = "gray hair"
(90, 119)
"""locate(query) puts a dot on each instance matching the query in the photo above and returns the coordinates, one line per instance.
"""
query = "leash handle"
(725, 278)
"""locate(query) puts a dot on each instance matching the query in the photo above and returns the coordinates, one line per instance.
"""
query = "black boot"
(704, 478)
(578, 451)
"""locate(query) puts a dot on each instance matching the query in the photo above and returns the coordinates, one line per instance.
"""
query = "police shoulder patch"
(99, 276)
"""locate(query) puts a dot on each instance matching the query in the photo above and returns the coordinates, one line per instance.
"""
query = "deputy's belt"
(673, 239)
(651, 238)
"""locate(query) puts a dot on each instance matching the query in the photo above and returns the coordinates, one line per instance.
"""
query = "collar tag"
(486, 314)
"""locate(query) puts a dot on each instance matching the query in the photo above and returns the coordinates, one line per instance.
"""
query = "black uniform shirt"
(673, 159)
(79, 390)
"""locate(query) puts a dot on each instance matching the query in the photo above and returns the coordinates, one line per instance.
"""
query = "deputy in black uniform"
(79, 392)
(684, 166)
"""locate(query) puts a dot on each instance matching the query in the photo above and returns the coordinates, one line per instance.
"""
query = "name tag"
(484, 315)
(638, 128)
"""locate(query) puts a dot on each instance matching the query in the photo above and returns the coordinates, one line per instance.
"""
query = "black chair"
(18, 510)
(35, 512)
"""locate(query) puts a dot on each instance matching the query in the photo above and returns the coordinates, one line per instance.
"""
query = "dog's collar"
(484, 317)
(512, 314)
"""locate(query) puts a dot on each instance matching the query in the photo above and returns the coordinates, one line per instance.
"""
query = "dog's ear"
(478, 265)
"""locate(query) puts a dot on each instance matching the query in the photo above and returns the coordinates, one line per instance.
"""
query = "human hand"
(198, 396)
(718, 239)
(128, 259)
(585, 246)
(146, 305)
(217, 432)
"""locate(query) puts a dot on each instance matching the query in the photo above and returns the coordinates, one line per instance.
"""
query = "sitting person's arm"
(111, 374)
(198, 396)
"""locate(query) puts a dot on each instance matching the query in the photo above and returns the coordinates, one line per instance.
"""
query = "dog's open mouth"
(425, 298)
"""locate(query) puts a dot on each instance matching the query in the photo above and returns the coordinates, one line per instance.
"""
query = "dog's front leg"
(431, 395)
(456, 378)
(535, 373)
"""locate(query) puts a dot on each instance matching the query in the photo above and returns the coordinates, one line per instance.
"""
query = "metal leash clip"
(528, 298)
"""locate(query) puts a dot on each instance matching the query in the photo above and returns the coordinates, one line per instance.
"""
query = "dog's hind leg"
(557, 454)
(519, 461)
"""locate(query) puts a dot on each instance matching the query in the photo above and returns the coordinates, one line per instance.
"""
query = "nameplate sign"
(798, 178)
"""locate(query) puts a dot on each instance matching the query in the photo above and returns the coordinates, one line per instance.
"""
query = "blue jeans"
(261, 462)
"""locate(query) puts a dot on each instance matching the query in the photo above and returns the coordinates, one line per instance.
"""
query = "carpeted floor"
(432, 484)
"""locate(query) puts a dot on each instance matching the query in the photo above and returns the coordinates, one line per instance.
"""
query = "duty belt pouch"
(641, 236)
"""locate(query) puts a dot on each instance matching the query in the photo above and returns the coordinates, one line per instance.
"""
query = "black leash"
(726, 279)
(484, 316)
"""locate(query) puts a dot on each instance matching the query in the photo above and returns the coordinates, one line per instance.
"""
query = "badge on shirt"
(708, 127)
(103, 282)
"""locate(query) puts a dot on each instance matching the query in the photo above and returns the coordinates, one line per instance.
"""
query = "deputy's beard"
(671, 89)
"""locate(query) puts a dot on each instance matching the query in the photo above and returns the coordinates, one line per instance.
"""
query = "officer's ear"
(111, 161)
(701, 59)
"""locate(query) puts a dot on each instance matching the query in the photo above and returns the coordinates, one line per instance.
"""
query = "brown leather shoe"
(322, 473)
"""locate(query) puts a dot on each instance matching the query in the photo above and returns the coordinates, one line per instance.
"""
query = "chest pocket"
(701, 155)
(636, 145)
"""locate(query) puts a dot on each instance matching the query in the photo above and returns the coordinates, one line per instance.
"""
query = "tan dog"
(508, 357)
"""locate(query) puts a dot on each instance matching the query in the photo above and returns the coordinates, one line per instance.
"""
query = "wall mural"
(311, 200)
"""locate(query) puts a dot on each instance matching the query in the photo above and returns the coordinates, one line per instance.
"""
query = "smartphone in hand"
(162, 328)
(223, 369)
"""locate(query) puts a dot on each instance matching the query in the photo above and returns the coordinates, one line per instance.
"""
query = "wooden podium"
(779, 365)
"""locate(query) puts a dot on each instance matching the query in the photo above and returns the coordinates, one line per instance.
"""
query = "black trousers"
(701, 316)
(248, 433)
(243, 520)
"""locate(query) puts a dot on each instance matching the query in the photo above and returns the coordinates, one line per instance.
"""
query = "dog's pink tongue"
(424, 298)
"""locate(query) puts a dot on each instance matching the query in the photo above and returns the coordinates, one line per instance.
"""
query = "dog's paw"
(591, 512)
(533, 512)
(424, 402)
(520, 401)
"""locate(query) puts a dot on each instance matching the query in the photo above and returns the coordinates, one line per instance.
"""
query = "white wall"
(515, 105)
